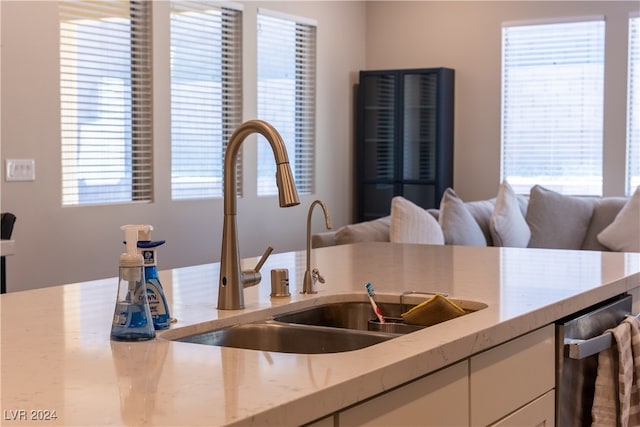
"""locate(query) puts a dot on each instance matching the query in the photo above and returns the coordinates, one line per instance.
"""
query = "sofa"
(542, 219)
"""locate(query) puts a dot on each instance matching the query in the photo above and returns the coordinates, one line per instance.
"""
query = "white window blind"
(552, 106)
(286, 96)
(206, 95)
(105, 93)
(633, 107)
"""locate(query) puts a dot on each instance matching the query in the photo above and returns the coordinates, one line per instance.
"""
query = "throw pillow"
(508, 226)
(481, 211)
(623, 234)
(412, 224)
(557, 221)
(376, 230)
(605, 210)
(457, 223)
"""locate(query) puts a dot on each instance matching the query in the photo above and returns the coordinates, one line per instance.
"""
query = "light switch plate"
(20, 170)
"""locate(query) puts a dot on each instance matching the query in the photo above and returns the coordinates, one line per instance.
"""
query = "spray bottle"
(155, 293)
(132, 316)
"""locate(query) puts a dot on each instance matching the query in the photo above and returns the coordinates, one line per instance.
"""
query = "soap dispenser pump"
(155, 293)
(132, 317)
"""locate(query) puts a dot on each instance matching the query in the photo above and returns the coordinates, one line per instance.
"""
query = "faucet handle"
(253, 277)
(315, 273)
(263, 258)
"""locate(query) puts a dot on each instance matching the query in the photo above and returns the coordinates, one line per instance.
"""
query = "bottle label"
(149, 256)
(157, 305)
(129, 315)
(155, 301)
(121, 316)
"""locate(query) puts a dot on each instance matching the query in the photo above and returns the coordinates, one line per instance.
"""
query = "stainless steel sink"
(287, 338)
(331, 327)
(357, 315)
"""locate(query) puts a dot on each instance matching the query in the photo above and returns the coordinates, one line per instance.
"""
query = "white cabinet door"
(323, 422)
(508, 377)
(439, 399)
(539, 413)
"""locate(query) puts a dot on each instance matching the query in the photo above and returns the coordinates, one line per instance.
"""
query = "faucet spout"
(310, 277)
(232, 279)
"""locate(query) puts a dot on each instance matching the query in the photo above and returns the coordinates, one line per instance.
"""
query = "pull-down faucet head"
(232, 279)
(287, 193)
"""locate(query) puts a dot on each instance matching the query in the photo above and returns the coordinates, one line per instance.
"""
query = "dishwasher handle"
(580, 349)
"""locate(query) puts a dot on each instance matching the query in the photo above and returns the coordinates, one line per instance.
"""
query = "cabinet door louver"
(379, 133)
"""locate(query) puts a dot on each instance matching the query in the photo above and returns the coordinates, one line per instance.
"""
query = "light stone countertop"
(56, 354)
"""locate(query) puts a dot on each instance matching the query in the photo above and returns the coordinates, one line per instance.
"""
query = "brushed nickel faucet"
(311, 276)
(232, 279)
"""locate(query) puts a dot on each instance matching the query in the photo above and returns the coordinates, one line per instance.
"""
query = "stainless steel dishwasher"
(579, 339)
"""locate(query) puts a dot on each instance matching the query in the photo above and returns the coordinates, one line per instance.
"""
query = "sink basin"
(331, 327)
(287, 338)
(356, 315)
(359, 315)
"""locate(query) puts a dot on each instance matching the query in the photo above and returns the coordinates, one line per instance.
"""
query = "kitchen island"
(58, 361)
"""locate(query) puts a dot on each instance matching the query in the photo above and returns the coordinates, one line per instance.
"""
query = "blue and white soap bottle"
(155, 293)
(132, 316)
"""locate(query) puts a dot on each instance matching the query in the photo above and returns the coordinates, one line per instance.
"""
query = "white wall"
(466, 36)
(57, 245)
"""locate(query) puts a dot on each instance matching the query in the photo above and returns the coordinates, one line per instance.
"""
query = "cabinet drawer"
(323, 422)
(539, 413)
(506, 378)
(439, 399)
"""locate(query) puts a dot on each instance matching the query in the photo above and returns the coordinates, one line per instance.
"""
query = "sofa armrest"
(376, 230)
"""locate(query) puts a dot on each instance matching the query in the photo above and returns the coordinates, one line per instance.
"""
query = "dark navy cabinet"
(404, 138)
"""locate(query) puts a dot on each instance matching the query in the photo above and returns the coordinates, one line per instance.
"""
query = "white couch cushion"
(507, 224)
(557, 221)
(457, 223)
(412, 224)
(623, 234)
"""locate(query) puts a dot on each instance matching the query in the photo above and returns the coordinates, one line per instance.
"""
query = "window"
(105, 95)
(206, 95)
(286, 96)
(552, 106)
(633, 107)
